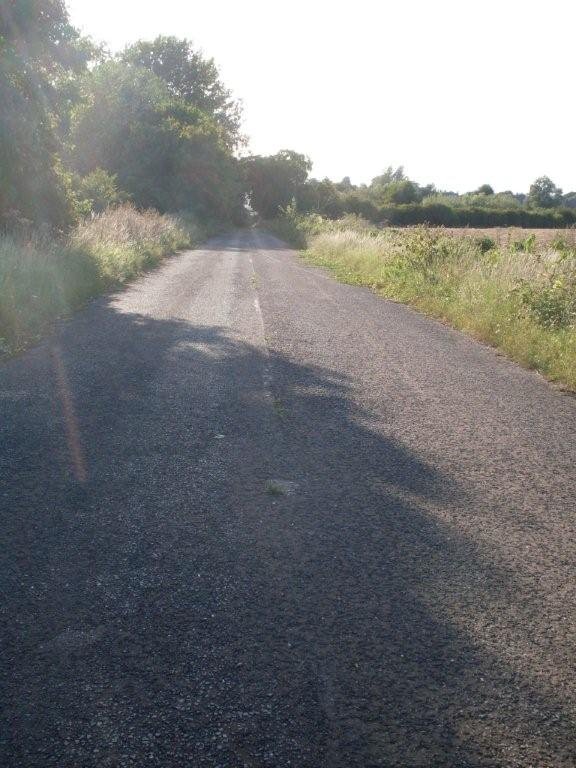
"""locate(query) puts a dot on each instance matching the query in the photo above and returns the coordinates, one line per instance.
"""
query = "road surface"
(254, 518)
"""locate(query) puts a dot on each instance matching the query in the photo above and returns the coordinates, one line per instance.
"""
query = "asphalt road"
(254, 518)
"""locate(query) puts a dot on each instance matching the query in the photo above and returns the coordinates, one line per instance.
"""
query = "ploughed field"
(504, 236)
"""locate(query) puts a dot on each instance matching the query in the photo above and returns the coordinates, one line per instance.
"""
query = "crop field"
(507, 236)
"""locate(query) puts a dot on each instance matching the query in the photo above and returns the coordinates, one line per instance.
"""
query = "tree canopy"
(38, 30)
(544, 193)
(274, 180)
(37, 44)
(155, 124)
(190, 77)
(165, 152)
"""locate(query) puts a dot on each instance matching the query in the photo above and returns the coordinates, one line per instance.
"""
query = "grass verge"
(519, 297)
(42, 278)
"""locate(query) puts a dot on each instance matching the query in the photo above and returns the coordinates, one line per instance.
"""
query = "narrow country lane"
(254, 518)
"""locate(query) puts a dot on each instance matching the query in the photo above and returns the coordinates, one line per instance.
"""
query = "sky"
(460, 93)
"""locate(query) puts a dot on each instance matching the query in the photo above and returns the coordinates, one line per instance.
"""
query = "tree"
(389, 176)
(345, 185)
(190, 77)
(320, 197)
(37, 44)
(427, 191)
(38, 30)
(393, 187)
(484, 189)
(544, 193)
(274, 180)
(400, 193)
(165, 153)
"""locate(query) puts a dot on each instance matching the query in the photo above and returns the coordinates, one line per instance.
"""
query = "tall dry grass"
(42, 278)
(123, 241)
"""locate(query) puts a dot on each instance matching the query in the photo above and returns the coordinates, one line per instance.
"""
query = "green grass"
(522, 301)
(273, 488)
(42, 279)
(279, 408)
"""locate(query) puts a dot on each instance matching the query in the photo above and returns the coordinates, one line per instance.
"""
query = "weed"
(274, 489)
(485, 243)
(528, 245)
(552, 305)
(279, 408)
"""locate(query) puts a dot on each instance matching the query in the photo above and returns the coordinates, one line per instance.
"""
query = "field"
(507, 236)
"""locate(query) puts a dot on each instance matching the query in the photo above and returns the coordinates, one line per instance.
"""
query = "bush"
(552, 305)
(485, 244)
(97, 191)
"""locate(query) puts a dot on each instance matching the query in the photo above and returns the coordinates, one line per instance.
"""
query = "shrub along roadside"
(42, 279)
(522, 301)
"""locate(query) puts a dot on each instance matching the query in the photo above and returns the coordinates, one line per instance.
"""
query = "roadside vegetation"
(519, 296)
(107, 163)
(42, 279)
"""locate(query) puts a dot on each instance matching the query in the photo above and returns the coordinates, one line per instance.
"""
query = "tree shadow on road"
(166, 603)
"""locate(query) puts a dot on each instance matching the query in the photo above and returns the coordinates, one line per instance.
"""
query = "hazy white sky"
(460, 92)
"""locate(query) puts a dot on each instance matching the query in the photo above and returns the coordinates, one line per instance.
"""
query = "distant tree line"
(393, 198)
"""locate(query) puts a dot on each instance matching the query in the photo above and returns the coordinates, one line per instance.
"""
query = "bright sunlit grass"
(520, 298)
(42, 278)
